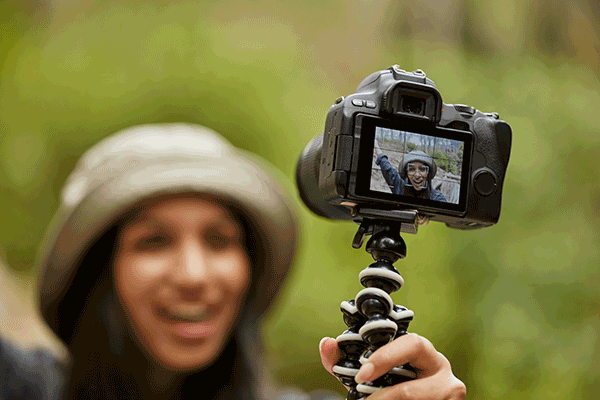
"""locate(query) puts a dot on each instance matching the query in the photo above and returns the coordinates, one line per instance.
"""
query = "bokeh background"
(515, 307)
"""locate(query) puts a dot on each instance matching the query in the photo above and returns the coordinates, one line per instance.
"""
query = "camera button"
(370, 104)
(358, 102)
(464, 109)
(485, 182)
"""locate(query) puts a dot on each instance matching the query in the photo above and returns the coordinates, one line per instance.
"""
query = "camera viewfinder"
(412, 105)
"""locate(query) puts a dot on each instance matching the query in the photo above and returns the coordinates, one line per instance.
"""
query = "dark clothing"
(29, 375)
(38, 375)
(400, 186)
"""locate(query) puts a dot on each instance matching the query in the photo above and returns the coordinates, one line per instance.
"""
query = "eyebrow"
(145, 219)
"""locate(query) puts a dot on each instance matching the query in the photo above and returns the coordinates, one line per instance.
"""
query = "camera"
(394, 147)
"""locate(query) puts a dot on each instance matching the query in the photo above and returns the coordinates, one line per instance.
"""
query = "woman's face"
(182, 272)
(417, 174)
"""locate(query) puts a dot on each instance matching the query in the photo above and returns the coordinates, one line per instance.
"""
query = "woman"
(413, 177)
(167, 251)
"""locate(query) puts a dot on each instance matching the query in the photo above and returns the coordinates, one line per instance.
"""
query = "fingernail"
(364, 373)
(321, 342)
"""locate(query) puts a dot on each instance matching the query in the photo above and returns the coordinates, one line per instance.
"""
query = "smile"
(184, 313)
(189, 322)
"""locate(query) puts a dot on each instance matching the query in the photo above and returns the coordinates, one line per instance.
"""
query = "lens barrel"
(307, 180)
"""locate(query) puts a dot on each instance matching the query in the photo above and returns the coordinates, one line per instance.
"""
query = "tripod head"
(385, 242)
(372, 221)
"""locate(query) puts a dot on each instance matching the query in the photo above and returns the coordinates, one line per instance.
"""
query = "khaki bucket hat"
(151, 160)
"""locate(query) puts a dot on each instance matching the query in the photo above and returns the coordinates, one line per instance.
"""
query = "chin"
(189, 362)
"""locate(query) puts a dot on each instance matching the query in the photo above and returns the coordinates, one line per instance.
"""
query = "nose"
(191, 271)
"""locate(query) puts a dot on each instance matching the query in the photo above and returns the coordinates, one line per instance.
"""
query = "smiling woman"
(413, 177)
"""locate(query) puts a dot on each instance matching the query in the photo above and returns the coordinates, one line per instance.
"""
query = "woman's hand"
(435, 379)
(376, 149)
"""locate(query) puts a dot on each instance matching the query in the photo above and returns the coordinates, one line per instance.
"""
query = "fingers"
(439, 386)
(435, 379)
(410, 348)
(330, 353)
(376, 147)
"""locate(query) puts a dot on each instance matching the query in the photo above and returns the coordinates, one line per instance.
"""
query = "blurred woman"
(167, 251)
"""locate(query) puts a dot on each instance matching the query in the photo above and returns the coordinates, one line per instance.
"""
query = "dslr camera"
(394, 149)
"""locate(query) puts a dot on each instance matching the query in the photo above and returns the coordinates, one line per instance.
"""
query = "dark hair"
(90, 320)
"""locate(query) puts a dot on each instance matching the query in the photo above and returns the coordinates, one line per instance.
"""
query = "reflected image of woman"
(413, 177)
(168, 249)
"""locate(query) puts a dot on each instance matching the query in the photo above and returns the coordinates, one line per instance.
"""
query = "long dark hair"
(106, 359)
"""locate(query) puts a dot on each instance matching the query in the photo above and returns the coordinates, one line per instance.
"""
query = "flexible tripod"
(372, 317)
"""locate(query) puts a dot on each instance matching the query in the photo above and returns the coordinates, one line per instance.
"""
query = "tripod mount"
(372, 318)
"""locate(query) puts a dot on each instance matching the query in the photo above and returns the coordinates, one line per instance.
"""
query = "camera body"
(394, 145)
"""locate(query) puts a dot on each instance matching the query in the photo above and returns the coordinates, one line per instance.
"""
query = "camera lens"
(413, 105)
(307, 180)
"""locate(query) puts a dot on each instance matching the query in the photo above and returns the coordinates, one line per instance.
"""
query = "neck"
(160, 382)
(416, 193)
(152, 381)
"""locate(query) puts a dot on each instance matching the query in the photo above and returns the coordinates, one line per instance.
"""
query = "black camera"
(394, 146)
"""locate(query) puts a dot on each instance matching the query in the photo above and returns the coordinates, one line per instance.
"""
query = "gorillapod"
(372, 318)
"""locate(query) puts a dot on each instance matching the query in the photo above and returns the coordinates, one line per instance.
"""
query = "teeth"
(190, 313)
(187, 310)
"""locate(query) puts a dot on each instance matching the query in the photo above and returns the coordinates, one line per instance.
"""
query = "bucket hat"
(157, 159)
(418, 155)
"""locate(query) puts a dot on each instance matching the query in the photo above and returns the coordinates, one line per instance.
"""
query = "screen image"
(417, 165)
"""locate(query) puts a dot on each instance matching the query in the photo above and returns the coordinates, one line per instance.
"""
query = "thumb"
(376, 147)
(330, 353)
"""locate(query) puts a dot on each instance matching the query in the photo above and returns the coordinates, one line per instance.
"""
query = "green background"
(515, 307)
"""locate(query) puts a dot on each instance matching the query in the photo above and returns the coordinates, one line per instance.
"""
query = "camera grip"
(493, 144)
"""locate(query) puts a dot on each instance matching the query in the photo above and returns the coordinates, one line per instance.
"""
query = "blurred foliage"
(514, 307)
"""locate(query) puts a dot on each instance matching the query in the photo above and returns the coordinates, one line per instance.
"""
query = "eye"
(153, 242)
(220, 240)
